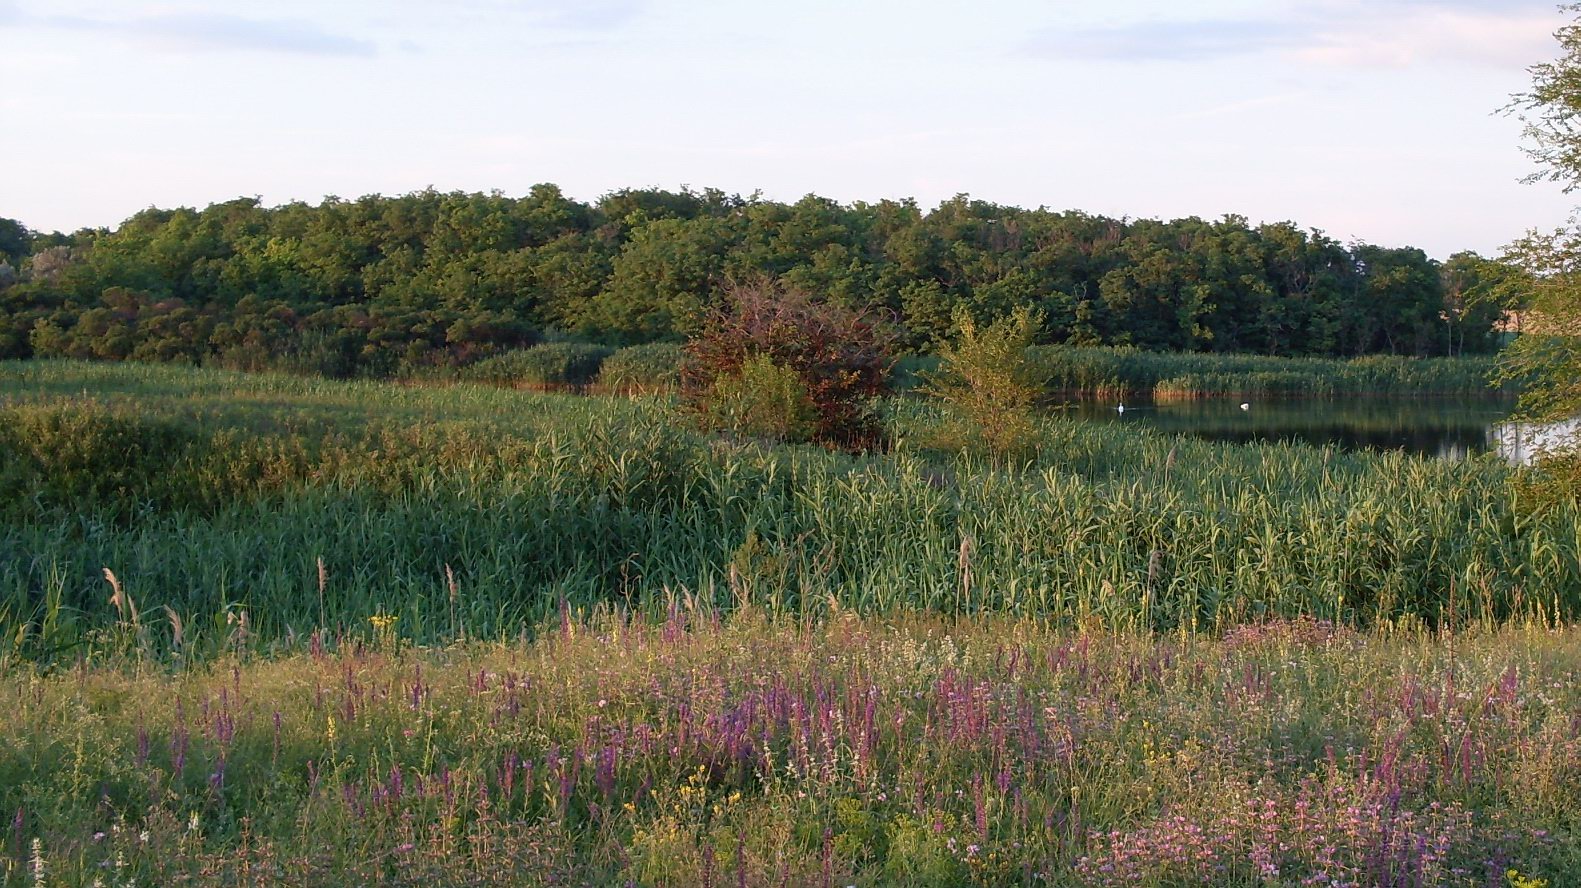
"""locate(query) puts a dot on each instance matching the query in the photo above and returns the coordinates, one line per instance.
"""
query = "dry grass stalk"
(121, 599)
(175, 627)
(455, 600)
(323, 583)
(963, 566)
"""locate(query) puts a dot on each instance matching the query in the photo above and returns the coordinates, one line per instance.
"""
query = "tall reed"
(526, 501)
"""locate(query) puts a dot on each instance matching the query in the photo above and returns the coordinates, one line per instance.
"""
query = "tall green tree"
(1548, 353)
(14, 241)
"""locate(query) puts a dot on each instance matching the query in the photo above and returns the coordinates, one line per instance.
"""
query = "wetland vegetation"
(216, 493)
(318, 567)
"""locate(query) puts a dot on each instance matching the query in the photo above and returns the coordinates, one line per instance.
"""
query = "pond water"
(1446, 428)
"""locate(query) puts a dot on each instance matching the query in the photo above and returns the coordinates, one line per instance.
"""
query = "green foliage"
(15, 242)
(423, 283)
(986, 377)
(1547, 354)
(80, 456)
(1553, 482)
(763, 400)
(653, 367)
(550, 364)
(1545, 358)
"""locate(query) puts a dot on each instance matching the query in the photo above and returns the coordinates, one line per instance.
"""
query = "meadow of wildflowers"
(759, 751)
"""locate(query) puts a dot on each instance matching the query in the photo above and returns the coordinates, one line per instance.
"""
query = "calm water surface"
(1447, 428)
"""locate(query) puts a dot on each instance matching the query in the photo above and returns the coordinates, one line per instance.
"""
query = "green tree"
(1477, 293)
(987, 379)
(15, 242)
(1547, 355)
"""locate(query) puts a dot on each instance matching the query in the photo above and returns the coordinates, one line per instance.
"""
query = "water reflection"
(1520, 442)
(1443, 428)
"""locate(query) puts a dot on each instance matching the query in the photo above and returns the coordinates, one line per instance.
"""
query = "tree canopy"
(378, 284)
(1548, 355)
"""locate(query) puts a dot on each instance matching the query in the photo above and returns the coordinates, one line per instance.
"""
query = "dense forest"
(383, 285)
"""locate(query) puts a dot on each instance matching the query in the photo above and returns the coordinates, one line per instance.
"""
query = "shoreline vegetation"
(1065, 371)
(215, 493)
(1126, 372)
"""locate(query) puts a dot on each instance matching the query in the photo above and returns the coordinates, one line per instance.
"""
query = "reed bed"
(475, 511)
(1125, 372)
(761, 751)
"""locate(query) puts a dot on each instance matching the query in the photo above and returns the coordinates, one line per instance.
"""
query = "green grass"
(550, 364)
(216, 494)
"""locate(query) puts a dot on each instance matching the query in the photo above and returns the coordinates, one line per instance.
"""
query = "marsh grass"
(1122, 372)
(219, 495)
(642, 369)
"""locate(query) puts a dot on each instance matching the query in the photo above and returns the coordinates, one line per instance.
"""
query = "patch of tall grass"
(549, 364)
(654, 367)
(216, 494)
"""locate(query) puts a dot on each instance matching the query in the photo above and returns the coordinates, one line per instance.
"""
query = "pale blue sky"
(1369, 119)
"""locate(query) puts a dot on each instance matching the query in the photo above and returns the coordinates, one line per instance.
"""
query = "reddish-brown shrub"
(840, 356)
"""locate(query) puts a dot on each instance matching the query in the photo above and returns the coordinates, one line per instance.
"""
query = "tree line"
(383, 285)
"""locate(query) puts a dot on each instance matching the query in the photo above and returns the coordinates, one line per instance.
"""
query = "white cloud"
(1436, 35)
(1393, 34)
(202, 30)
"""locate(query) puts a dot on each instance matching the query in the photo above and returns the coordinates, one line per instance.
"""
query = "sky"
(1372, 120)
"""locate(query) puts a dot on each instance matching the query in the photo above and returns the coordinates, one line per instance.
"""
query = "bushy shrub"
(81, 456)
(988, 380)
(841, 358)
(1551, 482)
(555, 363)
(765, 400)
(642, 368)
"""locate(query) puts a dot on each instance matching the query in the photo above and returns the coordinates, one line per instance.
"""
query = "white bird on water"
(1246, 406)
(1120, 409)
